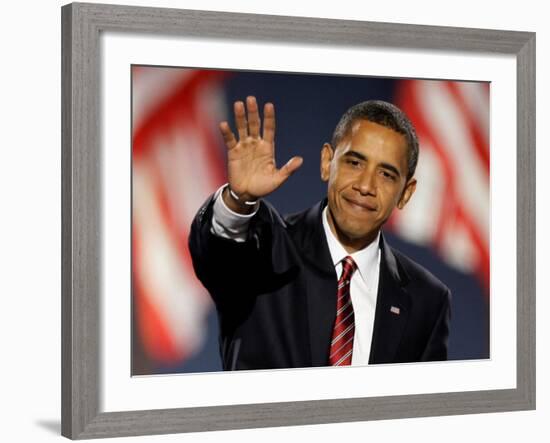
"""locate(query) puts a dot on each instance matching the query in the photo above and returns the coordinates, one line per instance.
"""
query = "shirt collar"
(365, 258)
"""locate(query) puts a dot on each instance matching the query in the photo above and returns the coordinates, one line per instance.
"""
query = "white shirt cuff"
(227, 223)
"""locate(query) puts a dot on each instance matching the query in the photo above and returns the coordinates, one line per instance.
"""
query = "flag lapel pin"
(395, 310)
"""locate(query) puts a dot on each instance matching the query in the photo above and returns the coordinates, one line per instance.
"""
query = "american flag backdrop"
(451, 209)
(178, 159)
(176, 164)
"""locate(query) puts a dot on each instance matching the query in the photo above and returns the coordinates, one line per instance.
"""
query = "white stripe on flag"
(448, 124)
(159, 270)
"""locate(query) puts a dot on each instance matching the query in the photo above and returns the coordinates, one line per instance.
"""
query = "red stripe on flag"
(156, 338)
(169, 112)
(408, 102)
(480, 142)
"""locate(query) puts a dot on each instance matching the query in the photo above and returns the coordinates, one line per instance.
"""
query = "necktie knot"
(348, 267)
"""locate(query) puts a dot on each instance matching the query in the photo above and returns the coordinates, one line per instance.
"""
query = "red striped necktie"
(341, 346)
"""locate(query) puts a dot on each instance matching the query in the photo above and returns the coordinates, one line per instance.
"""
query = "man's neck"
(351, 245)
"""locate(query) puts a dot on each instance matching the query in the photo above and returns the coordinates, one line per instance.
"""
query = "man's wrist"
(238, 204)
(243, 199)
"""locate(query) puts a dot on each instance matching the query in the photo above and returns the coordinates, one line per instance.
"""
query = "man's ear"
(407, 193)
(327, 154)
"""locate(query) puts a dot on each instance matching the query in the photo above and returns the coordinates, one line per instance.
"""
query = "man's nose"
(366, 182)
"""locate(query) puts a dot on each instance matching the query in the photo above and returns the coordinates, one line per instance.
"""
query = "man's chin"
(359, 235)
(353, 230)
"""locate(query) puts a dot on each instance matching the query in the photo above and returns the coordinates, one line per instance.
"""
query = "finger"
(288, 169)
(228, 136)
(240, 120)
(253, 117)
(269, 122)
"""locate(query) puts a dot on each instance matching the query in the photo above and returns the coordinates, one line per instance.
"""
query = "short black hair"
(385, 114)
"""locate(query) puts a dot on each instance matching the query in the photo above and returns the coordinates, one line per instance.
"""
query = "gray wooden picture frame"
(81, 217)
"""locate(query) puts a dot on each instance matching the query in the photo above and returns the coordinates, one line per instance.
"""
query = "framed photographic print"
(178, 160)
(144, 90)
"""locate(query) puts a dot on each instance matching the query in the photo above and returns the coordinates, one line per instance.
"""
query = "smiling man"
(321, 287)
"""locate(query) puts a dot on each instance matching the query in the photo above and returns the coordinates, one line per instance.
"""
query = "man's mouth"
(360, 205)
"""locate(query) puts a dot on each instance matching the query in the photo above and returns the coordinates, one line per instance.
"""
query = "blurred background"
(178, 160)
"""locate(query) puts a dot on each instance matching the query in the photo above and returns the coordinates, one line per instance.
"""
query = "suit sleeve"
(436, 348)
(231, 271)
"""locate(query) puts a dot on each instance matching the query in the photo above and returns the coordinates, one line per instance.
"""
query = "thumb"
(289, 168)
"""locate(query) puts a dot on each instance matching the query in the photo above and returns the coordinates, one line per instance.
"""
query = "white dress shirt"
(363, 289)
(364, 282)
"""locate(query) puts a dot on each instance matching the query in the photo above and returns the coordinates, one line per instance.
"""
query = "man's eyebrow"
(356, 155)
(384, 165)
(391, 168)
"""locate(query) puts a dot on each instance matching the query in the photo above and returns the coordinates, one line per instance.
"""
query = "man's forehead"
(365, 125)
(362, 129)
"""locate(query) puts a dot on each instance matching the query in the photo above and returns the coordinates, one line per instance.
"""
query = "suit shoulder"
(268, 213)
(417, 273)
(309, 218)
(295, 218)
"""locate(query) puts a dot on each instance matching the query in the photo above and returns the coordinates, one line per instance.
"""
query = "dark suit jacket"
(275, 295)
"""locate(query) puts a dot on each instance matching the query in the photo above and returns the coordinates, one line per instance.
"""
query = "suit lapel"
(392, 308)
(321, 283)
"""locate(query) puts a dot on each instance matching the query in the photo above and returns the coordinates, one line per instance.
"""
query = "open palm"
(251, 168)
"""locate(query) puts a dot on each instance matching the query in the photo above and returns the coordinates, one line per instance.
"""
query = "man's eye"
(387, 175)
(353, 162)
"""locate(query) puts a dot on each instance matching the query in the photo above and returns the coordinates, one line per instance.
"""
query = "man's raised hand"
(251, 168)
